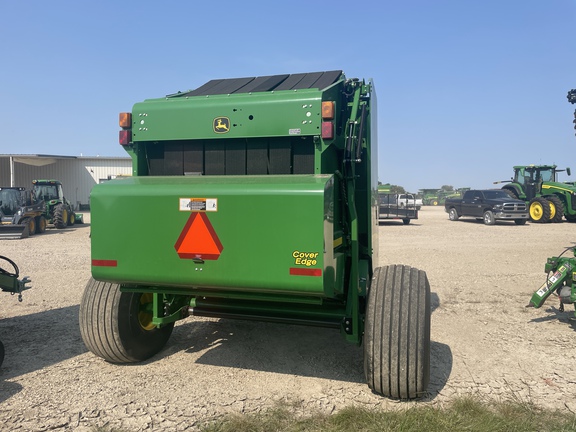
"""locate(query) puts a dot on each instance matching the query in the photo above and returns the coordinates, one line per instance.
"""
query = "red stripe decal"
(104, 263)
(297, 271)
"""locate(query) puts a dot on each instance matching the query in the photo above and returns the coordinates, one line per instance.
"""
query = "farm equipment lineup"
(268, 192)
(9, 282)
(25, 212)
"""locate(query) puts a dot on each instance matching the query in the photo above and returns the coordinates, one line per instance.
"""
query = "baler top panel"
(317, 80)
(271, 106)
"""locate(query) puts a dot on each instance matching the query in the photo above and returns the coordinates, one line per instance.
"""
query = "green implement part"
(560, 280)
(10, 283)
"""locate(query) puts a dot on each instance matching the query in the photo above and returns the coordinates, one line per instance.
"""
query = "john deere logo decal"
(221, 124)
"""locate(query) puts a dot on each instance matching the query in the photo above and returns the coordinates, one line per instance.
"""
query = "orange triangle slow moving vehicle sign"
(198, 240)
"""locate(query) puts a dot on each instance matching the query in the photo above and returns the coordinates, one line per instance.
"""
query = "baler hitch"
(9, 281)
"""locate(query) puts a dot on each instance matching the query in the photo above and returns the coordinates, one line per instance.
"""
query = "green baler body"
(247, 196)
(273, 234)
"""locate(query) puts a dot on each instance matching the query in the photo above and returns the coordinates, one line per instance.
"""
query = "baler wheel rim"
(145, 314)
(40, 224)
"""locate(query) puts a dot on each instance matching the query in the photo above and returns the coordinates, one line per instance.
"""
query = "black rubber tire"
(397, 332)
(110, 327)
(489, 218)
(512, 193)
(520, 221)
(539, 210)
(453, 214)
(31, 225)
(40, 224)
(558, 206)
(406, 221)
(60, 217)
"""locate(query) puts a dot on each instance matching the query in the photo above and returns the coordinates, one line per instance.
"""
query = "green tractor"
(268, 192)
(548, 199)
(59, 211)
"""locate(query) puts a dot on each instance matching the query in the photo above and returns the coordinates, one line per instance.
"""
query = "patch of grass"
(465, 414)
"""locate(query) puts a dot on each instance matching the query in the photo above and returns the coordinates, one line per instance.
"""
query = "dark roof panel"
(299, 81)
(262, 84)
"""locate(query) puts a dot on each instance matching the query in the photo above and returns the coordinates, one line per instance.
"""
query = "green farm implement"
(267, 192)
(10, 283)
(561, 280)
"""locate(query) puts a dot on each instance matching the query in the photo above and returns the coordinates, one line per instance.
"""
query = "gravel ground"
(484, 341)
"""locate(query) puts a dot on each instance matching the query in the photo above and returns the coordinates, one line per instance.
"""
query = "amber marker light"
(327, 110)
(125, 120)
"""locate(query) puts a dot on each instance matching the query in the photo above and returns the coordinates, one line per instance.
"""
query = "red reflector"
(125, 137)
(104, 263)
(298, 271)
(327, 130)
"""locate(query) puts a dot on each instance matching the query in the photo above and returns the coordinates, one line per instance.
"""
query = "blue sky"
(466, 88)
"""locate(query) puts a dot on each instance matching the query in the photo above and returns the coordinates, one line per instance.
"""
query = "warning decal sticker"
(198, 240)
(198, 204)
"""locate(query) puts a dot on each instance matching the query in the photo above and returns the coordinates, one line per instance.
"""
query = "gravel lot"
(484, 341)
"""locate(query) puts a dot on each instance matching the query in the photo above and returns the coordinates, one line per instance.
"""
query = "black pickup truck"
(489, 205)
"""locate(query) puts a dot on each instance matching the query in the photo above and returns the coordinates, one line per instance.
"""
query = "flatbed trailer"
(388, 208)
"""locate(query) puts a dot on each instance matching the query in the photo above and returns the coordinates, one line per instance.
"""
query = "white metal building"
(78, 174)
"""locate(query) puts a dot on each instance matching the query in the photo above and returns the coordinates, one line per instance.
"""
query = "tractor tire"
(489, 218)
(117, 326)
(397, 332)
(40, 224)
(556, 208)
(71, 218)
(31, 222)
(453, 214)
(539, 210)
(60, 218)
(570, 218)
(512, 193)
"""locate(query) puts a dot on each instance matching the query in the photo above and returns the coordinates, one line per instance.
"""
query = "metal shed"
(78, 174)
